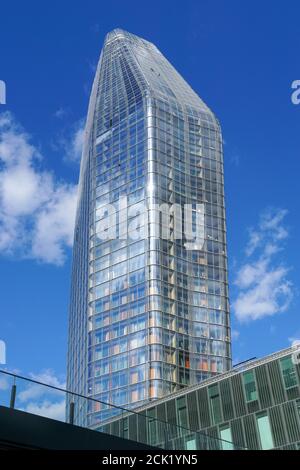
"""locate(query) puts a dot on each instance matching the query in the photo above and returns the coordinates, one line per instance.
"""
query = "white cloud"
(54, 226)
(4, 383)
(262, 281)
(270, 230)
(269, 294)
(37, 213)
(73, 144)
(34, 391)
(42, 400)
(235, 334)
(48, 409)
(294, 340)
(48, 377)
(60, 113)
(235, 159)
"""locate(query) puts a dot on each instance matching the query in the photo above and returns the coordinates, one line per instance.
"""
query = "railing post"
(122, 425)
(71, 412)
(13, 395)
(166, 436)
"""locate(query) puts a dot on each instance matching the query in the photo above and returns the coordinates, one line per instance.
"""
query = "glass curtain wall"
(149, 313)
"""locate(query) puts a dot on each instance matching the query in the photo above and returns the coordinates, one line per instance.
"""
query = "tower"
(149, 309)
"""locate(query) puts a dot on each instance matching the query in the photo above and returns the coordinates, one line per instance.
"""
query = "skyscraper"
(149, 309)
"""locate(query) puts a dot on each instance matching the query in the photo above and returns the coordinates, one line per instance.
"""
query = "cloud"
(4, 383)
(33, 390)
(235, 334)
(235, 159)
(294, 341)
(72, 145)
(262, 280)
(42, 400)
(60, 113)
(48, 409)
(37, 212)
(54, 226)
(270, 230)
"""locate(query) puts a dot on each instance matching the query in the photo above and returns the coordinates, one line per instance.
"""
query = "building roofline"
(219, 377)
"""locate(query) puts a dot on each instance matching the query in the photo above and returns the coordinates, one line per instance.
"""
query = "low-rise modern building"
(254, 406)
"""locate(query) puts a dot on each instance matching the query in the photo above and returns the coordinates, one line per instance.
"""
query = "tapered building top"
(157, 75)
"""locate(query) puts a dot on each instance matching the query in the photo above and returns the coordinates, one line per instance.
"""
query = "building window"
(125, 430)
(215, 404)
(250, 386)
(225, 435)
(298, 408)
(181, 412)
(264, 431)
(151, 421)
(191, 444)
(288, 372)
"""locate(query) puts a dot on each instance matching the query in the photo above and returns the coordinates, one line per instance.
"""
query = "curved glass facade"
(149, 309)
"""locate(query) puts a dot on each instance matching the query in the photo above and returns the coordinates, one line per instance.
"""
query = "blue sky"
(241, 58)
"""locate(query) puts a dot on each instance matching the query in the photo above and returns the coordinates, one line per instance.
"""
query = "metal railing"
(30, 395)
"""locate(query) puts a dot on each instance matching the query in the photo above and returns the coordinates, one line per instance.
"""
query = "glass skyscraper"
(149, 310)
